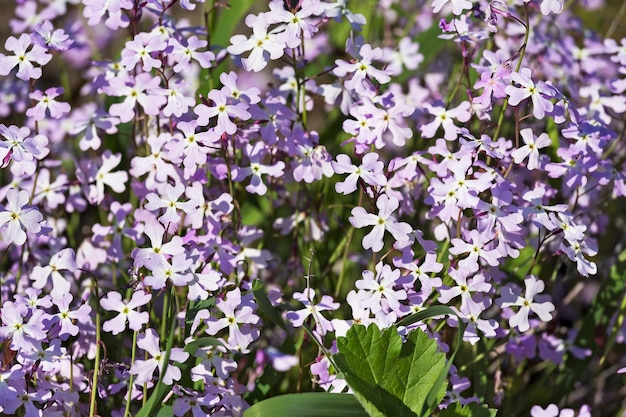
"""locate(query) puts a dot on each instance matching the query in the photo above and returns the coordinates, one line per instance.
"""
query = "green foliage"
(312, 404)
(388, 377)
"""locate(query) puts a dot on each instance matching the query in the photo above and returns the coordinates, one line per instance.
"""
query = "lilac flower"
(214, 362)
(477, 248)
(256, 169)
(23, 58)
(178, 100)
(54, 39)
(531, 149)
(143, 89)
(16, 145)
(87, 121)
(553, 411)
(230, 88)
(116, 10)
(470, 313)
(527, 88)
(193, 403)
(177, 272)
(144, 369)
(93, 177)
(531, 301)
(421, 272)
(617, 52)
(444, 118)
(551, 6)
(370, 172)
(457, 5)
(47, 105)
(224, 112)
(183, 52)
(238, 317)
(63, 260)
(338, 9)
(141, 49)
(24, 330)
(118, 226)
(384, 220)
(576, 252)
(313, 308)
(362, 70)
(168, 198)
(156, 233)
(407, 56)
(263, 46)
(379, 287)
(126, 310)
(298, 25)
(17, 218)
(465, 287)
(157, 165)
(66, 317)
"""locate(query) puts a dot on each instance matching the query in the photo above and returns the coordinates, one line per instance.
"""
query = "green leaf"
(470, 410)
(388, 377)
(312, 404)
(165, 411)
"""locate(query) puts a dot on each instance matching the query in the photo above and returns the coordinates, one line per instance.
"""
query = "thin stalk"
(132, 377)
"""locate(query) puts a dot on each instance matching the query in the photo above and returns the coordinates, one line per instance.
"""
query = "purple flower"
(297, 25)
(144, 369)
(256, 169)
(551, 6)
(54, 39)
(444, 118)
(47, 105)
(224, 112)
(382, 221)
(93, 178)
(66, 317)
(379, 289)
(140, 49)
(23, 58)
(536, 92)
(238, 317)
(18, 146)
(370, 171)
(263, 45)
(168, 198)
(126, 310)
(362, 70)
(313, 308)
(63, 260)
(177, 272)
(23, 329)
(184, 52)
(477, 248)
(17, 218)
(457, 5)
(531, 301)
(531, 148)
(143, 89)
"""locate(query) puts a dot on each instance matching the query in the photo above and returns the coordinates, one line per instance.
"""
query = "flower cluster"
(187, 206)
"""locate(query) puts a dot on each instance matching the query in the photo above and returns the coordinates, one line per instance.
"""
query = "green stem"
(522, 52)
(132, 377)
(94, 381)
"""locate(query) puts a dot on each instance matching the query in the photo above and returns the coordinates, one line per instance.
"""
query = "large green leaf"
(312, 404)
(388, 377)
